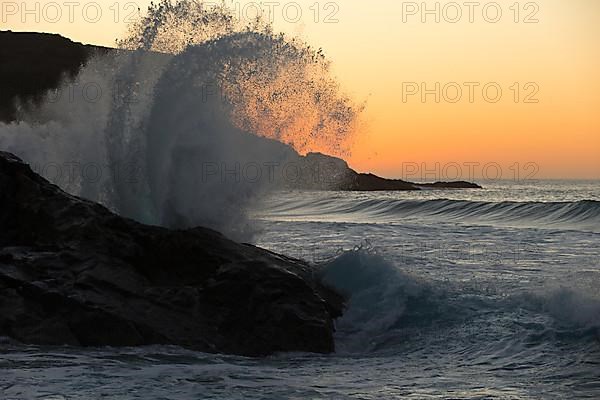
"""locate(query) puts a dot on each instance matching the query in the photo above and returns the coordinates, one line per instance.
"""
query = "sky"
(453, 90)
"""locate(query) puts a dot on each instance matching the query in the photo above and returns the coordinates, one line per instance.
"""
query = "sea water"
(462, 294)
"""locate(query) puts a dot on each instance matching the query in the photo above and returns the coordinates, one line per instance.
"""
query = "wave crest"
(215, 89)
(389, 307)
(579, 215)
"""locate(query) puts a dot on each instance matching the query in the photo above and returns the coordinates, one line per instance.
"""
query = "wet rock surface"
(72, 272)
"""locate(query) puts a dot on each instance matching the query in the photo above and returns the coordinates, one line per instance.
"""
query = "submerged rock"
(72, 272)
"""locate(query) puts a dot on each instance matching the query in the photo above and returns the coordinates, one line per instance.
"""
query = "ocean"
(454, 294)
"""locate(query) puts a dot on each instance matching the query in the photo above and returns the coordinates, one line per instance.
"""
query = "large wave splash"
(194, 98)
(389, 307)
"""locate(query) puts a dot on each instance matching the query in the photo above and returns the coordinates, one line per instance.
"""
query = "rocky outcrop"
(322, 172)
(72, 272)
(32, 64)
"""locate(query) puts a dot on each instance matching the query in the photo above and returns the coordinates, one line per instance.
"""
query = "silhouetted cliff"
(322, 172)
(32, 63)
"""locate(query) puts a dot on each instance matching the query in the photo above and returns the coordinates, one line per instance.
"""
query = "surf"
(389, 309)
(581, 215)
(189, 85)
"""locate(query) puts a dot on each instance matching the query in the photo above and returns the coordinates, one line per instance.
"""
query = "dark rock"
(72, 272)
(322, 172)
(450, 185)
(33, 63)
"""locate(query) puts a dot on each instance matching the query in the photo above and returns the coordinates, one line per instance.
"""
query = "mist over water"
(194, 88)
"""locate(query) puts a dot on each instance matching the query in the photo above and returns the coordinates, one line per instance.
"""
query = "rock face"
(72, 272)
(33, 63)
(322, 172)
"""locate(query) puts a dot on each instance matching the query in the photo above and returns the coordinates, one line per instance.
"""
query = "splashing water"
(196, 98)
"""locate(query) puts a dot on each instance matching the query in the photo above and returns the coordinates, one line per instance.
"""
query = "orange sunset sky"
(547, 52)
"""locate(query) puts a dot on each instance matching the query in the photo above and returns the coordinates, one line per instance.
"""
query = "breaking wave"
(192, 85)
(578, 215)
(389, 307)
